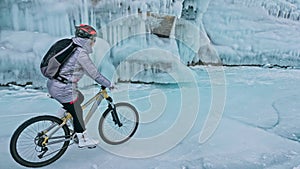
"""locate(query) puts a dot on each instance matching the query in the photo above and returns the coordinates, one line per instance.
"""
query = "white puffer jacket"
(73, 70)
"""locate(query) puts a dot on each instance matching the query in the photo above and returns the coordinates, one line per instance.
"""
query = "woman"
(64, 88)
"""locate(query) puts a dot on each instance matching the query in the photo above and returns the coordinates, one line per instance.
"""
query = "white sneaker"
(61, 113)
(85, 141)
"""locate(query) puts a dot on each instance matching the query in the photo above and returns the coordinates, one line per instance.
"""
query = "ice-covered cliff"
(255, 31)
(234, 32)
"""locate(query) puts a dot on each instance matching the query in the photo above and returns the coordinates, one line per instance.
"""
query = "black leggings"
(75, 109)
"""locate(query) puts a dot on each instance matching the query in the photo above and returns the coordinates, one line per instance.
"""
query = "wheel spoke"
(112, 133)
(24, 148)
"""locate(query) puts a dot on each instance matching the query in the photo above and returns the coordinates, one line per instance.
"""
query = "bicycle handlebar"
(105, 95)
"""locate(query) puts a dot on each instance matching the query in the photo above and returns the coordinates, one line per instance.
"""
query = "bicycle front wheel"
(111, 132)
(26, 145)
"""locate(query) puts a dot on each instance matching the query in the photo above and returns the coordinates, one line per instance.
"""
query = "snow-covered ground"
(259, 127)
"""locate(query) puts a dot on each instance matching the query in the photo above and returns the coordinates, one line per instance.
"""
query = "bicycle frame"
(50, 136)
(96, 100)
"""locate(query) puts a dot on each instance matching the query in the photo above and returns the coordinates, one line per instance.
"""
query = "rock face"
(165, 26)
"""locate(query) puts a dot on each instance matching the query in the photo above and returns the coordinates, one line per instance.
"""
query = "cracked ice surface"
(259, 128)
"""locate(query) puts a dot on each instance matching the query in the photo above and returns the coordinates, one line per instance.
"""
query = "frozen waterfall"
(26, 36)
(205, 31)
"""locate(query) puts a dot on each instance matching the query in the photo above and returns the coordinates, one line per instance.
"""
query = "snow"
(258, 128)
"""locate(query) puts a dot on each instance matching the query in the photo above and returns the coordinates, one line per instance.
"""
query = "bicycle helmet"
(85, 31)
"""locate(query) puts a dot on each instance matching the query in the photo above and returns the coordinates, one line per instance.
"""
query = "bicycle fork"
(114, 115)
(111, 106)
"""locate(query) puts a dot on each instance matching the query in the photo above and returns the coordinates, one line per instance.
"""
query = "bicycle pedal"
(89, 147)
(75, 139)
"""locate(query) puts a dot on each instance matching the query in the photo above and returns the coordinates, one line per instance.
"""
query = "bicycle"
(42, 140)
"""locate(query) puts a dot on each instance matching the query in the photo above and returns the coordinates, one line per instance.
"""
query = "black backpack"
(56, 56)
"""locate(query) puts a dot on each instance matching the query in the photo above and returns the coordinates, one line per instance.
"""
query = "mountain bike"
(42, 140)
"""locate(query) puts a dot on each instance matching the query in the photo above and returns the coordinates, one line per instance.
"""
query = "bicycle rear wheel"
(26, 143)
(111, 132)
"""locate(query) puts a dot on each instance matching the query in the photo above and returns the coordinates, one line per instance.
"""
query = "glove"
(112, 86)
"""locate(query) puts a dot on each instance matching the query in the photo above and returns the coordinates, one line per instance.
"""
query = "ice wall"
(57, 17)
(137, 33)
(33, 25)
(219, 31)
(143, 66)
(51, 17)
(20, 56)
(267, 36)
(193, 43)
(21, 53)
(118, 22)
(146, 58)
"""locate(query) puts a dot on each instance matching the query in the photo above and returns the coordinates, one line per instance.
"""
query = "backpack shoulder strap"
(57, 76)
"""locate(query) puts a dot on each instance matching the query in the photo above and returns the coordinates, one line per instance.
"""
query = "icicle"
(15, 17)
(85, 12)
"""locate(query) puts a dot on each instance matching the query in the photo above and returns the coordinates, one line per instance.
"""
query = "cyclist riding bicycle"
(66, 91)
